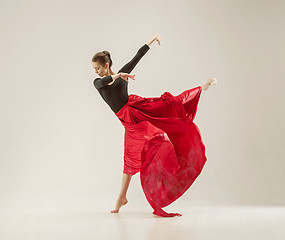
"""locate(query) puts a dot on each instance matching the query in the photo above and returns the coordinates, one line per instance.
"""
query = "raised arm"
(140, 53)
(127, 68)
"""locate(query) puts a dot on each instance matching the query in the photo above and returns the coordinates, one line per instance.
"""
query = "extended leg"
(122, 199)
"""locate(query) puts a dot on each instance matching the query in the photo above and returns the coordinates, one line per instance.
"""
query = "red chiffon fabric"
(163, 144)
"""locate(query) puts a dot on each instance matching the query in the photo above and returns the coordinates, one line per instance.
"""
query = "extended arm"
(109, 80)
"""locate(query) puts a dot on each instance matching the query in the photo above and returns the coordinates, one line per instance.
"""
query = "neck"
(110, 72)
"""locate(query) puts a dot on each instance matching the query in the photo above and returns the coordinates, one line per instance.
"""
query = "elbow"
(96, 84)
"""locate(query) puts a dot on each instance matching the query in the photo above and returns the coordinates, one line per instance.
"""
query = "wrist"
(150, 42)
(118, 75)
(115, 76)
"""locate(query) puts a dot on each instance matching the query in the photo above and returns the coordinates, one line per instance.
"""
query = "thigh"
(188, 95)
(163, 106)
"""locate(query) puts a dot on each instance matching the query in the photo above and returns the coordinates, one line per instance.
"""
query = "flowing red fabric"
(163, 144)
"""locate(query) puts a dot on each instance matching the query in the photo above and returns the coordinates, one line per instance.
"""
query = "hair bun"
(106, 53)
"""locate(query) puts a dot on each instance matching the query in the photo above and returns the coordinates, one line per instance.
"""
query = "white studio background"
(62, 144)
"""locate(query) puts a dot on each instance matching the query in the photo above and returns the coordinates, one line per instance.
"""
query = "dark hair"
(103, 57)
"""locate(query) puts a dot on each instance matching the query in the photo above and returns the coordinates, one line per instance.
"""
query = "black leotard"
(116, 95)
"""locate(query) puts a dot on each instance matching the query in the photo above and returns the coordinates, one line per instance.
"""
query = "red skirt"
(163, 144)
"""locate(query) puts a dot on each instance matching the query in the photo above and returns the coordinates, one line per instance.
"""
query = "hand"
(157, 38)
(126, 75)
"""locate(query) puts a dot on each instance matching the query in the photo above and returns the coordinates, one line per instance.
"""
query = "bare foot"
(210, 82)
(120, 202)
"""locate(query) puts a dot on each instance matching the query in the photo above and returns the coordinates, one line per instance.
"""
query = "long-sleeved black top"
(116, 95)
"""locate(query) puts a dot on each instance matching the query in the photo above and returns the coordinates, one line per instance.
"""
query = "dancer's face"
(99, 69)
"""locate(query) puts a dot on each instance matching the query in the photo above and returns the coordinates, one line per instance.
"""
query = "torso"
(116, 94)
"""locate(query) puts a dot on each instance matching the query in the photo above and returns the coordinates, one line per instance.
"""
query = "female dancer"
(161, 141)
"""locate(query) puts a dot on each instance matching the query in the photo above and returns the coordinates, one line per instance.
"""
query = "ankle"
(122, 196)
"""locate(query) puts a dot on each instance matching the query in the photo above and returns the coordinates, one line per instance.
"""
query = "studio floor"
(198, 221)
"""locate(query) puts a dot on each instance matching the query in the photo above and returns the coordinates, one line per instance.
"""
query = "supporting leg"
(122, 199)
(125, 184)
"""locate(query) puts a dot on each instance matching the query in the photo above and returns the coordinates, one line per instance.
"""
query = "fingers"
(132, 76)
(126, 76)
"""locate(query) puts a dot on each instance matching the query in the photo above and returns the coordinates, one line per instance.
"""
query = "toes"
(213, 81)
(210, 82)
